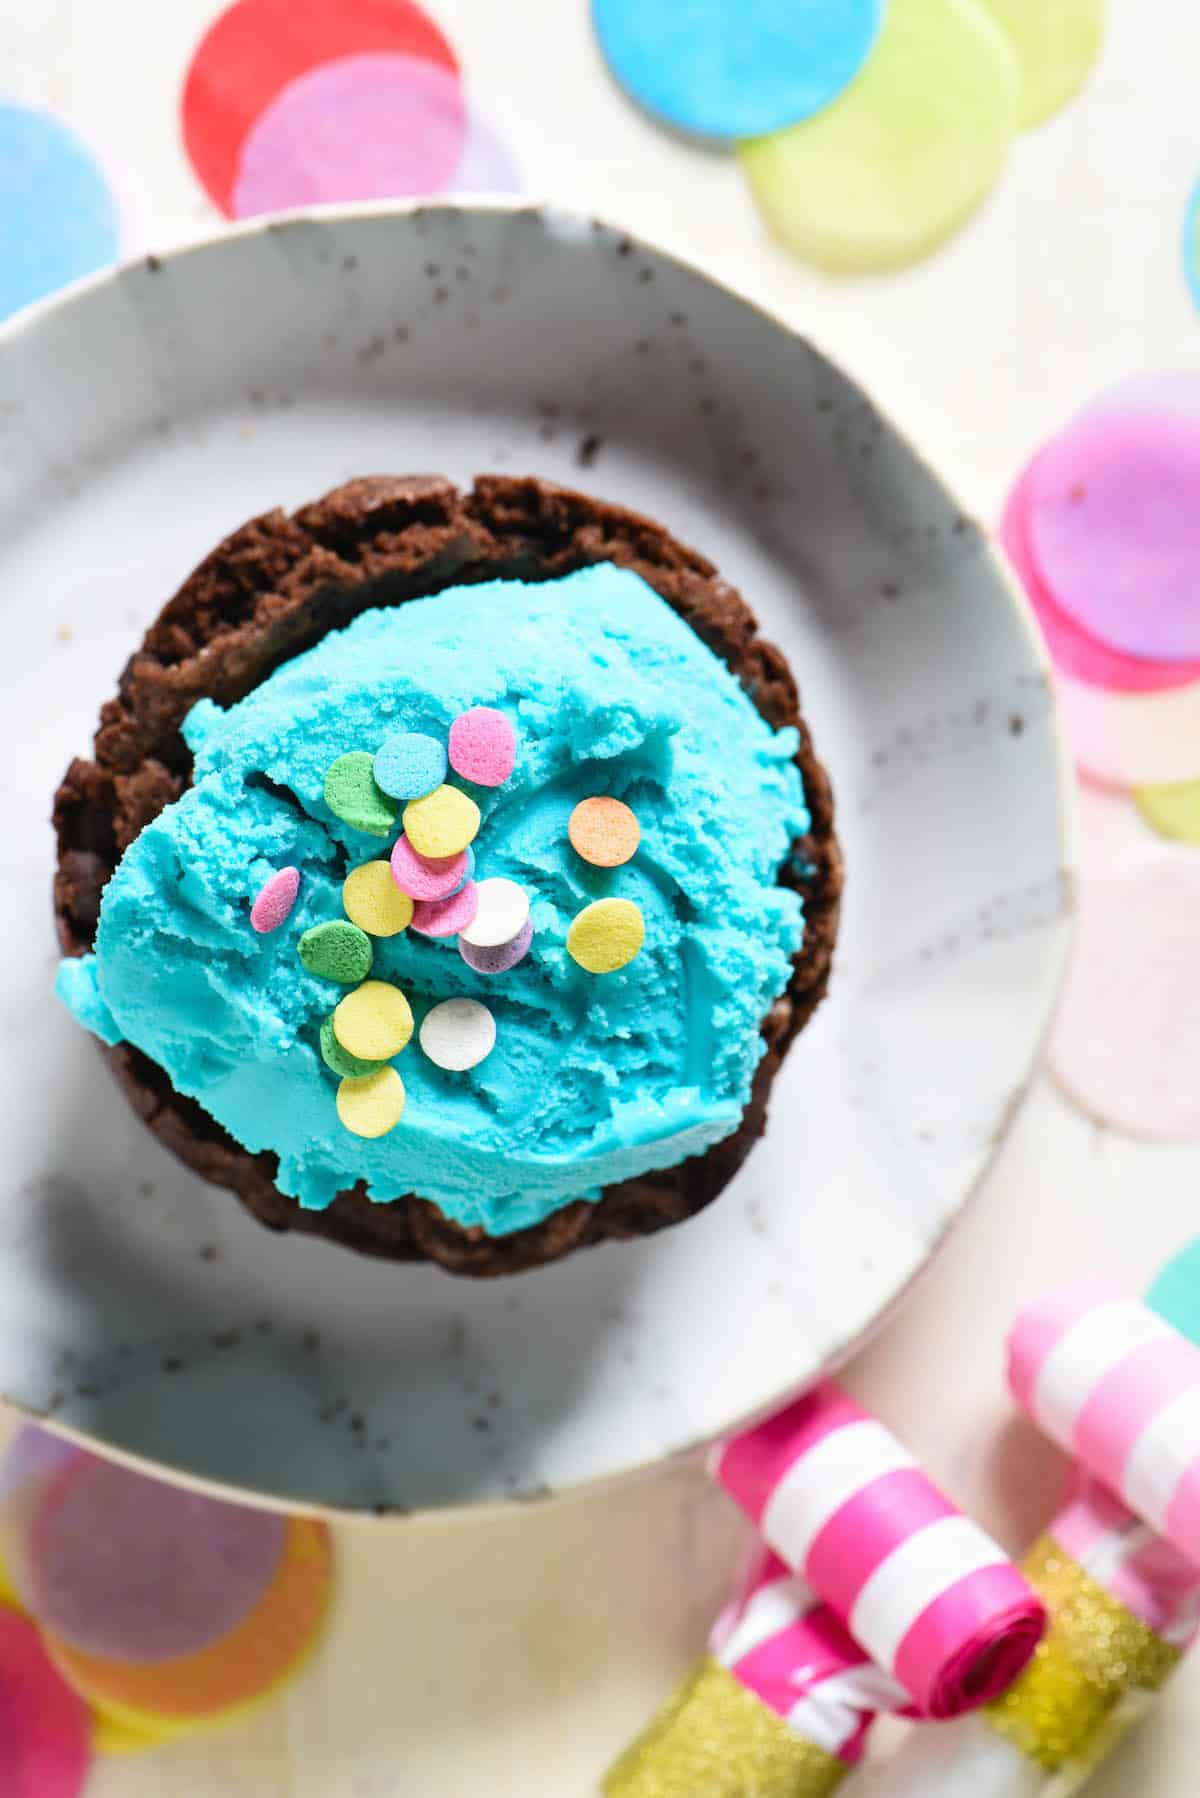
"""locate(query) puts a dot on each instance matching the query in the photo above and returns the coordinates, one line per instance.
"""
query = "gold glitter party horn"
(780, 1708)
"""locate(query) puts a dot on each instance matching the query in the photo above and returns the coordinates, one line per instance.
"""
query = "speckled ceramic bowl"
(144, 414)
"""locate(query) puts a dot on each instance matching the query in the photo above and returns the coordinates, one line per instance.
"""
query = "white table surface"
(513, 1657)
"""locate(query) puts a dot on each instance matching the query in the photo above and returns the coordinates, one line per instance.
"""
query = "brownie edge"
(274, 588)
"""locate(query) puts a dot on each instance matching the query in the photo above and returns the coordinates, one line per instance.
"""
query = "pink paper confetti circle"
(1113, 528)
(426, 877)
(1126, 1042)
(359, 128)
(446, 917)
(45, 1729)
(129, 1569)
(275, 900)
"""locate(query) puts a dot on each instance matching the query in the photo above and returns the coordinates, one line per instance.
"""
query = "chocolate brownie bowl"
(621, 1096)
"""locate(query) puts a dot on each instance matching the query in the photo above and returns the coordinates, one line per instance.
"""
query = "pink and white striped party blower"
(781, 1707)
(1117, 1386)
(931, 1598)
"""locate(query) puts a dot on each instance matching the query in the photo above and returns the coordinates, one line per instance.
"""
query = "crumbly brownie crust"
(273, 589)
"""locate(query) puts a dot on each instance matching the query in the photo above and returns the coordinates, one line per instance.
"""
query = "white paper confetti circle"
(458, 1034)
(501, 915)
(1126, 1042)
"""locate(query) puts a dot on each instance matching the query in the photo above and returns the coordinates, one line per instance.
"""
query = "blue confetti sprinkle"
(58, 218)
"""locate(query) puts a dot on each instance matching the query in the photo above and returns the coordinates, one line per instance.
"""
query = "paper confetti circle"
(735, 68)
(265, 1649)
(373, 1105)
(446, 917)
(606, 935)
(375, 1021)
(256, 48)
(1057, 43)
(45, 1730)
(58, 217)
(1113, 528)
(1173, 811)
(501, 912)
(1126, 1041)
(442, 824)
(353, 795)
(499, 960)
(410, 129)
(131, 1569)
(458, 1034)
(409, 764)
(906, 153)
(604, 832)
(374, 902)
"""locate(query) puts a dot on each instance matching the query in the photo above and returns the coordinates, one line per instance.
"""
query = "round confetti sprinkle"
(441, 824)
(501, 959)
(45, 1729)
(374, 902)
(501, 914)
(1126, 1042)
(604, 832)
(1072, 650)
(275, 900)
(372, 1106)
(902, 158)
(422, 877)
(468, 872)
(446, 917)
(458, 1034)
(410, 764)
(1057, 42)
(58, 219)
(1113, 527)
(735, 68)
(339, 1061)
(257, 47)
(266, 1648)
(336, 951)
(375, 1021)
(606, 935)
(365, 128)
(483, 748)
(351, 793)
(134, 1570)
(1173, 811)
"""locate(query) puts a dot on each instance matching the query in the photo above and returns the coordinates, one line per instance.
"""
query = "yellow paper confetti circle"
(374, 1022)
(374, 902)
(606, 936)
(372, 1106)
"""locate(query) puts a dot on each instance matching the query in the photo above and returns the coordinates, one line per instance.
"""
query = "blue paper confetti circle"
(736, 68)
(58, 217)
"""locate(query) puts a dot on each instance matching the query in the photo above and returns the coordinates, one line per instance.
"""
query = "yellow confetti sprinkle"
(375, 1021)
(373, 1105)
(606, 936)
(442, 823)
(374, 902)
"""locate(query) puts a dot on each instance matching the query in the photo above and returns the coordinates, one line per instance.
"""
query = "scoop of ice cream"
(594, 1078)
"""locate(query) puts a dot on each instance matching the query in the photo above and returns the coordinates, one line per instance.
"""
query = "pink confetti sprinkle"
(483, 748)
(446, 917)
(273, 906)
(1126, 1042)
(424, 877)
(45, 1729)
